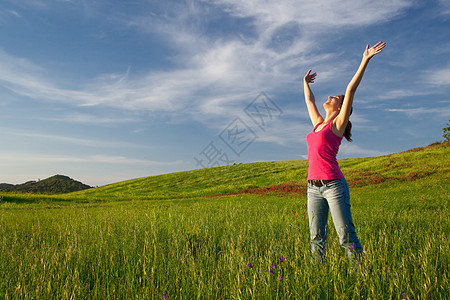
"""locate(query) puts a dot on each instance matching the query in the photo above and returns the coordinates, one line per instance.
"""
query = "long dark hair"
(348, 128)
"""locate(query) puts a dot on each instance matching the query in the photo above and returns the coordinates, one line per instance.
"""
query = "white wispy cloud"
(423, 85)
(405, 92)
(9, 12)
(443, 111)
(322, 13)
(71, 140)
(32, 158)
(90, 118)
(352, 150)
(213, 71)
(444, 7)
(439, 77)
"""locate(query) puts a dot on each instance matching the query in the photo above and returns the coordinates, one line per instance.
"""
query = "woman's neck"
(330, 116)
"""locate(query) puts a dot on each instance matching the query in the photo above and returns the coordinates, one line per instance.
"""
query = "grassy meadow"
(232, 232)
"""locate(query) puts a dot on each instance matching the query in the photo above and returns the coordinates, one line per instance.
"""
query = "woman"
(327, 187)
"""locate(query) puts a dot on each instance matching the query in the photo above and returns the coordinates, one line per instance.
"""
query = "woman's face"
(334, 102)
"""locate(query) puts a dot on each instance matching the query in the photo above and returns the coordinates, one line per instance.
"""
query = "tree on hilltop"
(446, 131)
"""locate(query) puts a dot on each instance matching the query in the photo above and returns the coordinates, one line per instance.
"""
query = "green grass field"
(192, 235)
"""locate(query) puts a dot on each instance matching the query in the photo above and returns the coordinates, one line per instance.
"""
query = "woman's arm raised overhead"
(344, 114)
(310, 99)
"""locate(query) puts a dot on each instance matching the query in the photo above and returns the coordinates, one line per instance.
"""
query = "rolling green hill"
(286, 177)
(431, 161)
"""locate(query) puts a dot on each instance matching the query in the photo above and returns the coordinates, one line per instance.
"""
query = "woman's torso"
(323, 147)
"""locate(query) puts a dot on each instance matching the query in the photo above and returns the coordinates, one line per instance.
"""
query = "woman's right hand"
(309, 78)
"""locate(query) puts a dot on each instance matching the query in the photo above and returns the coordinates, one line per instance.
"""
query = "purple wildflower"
(418, 266)
(250, 265)
(165, 296)
(280, 277)
(402, 293)
(274, 266)
(387, 269)
(282, 258)
(270, 270)
(351, 247)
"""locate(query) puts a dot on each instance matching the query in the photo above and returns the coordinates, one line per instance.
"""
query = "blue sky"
(108, 90)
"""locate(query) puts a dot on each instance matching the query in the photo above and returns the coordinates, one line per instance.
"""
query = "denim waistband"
(320, 183)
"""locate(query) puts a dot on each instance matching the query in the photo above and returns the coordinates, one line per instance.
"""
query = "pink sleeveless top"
(323, 147)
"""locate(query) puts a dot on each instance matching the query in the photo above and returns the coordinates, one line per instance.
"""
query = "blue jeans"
(334, 196)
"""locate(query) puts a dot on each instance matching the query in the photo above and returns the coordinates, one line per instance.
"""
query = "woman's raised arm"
(344, 114)
(310, 99)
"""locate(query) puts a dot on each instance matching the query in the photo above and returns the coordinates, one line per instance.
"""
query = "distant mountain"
(58, 184)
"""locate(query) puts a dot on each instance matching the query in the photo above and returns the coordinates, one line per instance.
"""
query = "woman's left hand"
(374, 50)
